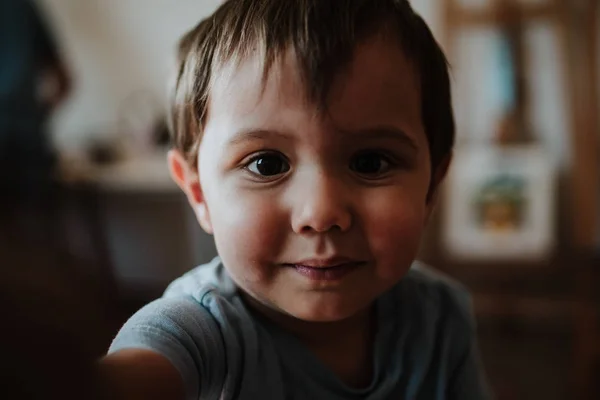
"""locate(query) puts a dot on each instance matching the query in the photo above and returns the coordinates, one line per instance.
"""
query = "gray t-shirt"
(425, 343)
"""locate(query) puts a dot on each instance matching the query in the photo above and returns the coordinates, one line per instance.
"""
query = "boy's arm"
(138, 374)
(169, 346)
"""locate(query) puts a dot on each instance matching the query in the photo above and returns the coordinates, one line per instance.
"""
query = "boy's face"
(315, 215)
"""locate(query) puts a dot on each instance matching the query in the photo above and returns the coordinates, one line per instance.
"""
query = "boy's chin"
(324, 314)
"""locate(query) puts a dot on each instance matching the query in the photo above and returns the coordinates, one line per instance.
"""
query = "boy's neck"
(345, 347)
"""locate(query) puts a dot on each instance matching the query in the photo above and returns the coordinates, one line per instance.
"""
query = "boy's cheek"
(396, 249)
(394, 234)
(248, 232)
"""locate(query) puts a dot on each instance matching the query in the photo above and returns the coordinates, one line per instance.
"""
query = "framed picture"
(500, 204)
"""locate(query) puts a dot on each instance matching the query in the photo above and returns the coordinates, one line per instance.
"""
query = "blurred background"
(90, 218)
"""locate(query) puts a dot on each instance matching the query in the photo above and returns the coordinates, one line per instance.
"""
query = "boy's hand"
(139, 374)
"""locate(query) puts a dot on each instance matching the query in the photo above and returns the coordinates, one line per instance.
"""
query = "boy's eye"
(268, 165)
(370, 163)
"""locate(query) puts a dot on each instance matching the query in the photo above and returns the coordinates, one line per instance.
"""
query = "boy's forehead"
(250, 80)
(380, 80)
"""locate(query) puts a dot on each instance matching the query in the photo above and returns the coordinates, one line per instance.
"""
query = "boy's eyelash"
(390, 158)
(255, 156)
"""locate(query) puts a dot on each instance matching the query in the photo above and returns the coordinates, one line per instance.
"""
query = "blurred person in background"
(33, 82)
(55, 322)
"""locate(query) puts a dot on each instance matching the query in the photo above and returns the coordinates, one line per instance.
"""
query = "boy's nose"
(322, 206)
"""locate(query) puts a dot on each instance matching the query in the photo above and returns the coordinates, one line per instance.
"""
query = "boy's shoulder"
(206, 278)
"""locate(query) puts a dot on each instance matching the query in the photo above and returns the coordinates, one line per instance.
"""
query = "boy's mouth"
(325, 270)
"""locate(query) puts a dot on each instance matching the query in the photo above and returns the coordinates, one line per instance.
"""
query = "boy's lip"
(323, 263)
(326, 269)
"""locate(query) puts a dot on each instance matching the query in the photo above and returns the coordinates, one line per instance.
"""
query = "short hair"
(323, 35)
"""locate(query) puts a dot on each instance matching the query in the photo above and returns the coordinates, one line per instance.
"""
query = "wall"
(115, 49)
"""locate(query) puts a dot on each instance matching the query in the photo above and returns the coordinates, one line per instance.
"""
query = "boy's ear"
(188, 181)
(438, 177)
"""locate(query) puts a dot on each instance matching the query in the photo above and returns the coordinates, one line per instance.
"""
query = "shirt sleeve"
(184, 332)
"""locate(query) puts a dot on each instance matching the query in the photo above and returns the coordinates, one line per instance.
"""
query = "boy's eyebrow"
(382, 132)
(255, 134)
(385, 132)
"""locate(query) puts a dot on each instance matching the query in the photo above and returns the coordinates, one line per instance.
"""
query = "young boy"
(311, 137)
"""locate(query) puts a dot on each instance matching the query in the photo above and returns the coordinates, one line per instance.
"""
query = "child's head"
(310, 137)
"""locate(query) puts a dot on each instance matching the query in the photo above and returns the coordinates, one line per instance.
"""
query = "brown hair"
(323, 34)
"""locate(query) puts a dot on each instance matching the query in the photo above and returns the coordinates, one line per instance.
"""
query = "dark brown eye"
(370, 163)
(268, 165)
